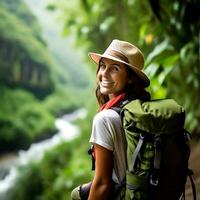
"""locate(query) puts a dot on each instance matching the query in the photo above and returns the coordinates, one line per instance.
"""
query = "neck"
(111, 96)
(114, 101)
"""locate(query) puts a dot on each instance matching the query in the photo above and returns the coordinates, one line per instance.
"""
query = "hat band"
(117, 55)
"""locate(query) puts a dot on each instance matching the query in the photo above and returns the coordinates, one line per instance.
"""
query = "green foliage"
(27, 192)
(70, 69)
(61, 102)
(167, 32)
(63, 168)
(23, 54)
(23, 119)
(20, 9)
(96, 23)
(25, 63)
(160, 62)
(16, 32)
(175, 61)
(36, 120)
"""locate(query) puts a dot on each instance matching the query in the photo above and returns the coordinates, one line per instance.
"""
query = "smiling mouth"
(106, 83)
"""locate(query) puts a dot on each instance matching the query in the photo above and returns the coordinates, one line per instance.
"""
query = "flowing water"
(66, 132)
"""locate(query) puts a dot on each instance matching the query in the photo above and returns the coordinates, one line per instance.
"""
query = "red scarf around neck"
(115, 101)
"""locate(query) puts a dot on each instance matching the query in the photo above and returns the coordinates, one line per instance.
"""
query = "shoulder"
(108, 115)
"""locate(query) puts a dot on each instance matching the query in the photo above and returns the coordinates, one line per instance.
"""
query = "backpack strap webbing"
(157, 160)
(91, 153)
(136, 153)
(190, 173)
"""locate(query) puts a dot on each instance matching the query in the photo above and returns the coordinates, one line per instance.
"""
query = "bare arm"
(103, 174)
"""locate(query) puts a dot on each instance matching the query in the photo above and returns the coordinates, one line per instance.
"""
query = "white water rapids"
(66, 132)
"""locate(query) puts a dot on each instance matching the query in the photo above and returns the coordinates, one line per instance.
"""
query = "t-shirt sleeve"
(103, 129)
(107, 131)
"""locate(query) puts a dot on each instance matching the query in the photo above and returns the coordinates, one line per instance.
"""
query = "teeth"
(106, 82)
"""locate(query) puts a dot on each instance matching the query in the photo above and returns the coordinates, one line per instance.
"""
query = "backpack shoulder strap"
(120, 107)
(91, 153)
(117, 109)
(190, 173)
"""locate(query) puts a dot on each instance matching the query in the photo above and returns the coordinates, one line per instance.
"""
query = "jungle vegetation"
(168, 32)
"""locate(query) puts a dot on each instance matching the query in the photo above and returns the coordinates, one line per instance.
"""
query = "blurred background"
(47, 83)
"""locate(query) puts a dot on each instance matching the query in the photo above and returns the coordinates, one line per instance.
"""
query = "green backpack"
(157, 150)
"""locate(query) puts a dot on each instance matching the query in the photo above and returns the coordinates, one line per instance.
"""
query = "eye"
(102, 65)
(115, 68)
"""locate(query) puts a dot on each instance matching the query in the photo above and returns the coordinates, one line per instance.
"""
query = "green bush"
(22, 119)
(61, 102)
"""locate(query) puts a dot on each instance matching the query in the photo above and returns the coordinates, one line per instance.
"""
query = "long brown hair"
(133, 90)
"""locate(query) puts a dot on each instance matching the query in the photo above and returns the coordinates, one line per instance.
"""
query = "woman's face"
(112, 77)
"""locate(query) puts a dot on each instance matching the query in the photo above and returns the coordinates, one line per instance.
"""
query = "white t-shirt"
(107, 131)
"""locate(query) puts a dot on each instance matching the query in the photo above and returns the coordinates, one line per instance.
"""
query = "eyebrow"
(115, 63)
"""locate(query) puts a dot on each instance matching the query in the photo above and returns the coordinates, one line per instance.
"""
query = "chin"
(104, 92)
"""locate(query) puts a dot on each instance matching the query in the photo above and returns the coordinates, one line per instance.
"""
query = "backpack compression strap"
(190, 173)
(157, 160)
(136, 153)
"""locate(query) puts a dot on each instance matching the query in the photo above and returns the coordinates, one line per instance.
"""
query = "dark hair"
(133, 90)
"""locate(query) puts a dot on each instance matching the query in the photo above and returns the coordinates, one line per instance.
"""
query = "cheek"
(123, 84)
(123, 80)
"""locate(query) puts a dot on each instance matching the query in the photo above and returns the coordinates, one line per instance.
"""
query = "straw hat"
(127, 53)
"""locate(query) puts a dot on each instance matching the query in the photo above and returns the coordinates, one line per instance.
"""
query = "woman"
(119, 78)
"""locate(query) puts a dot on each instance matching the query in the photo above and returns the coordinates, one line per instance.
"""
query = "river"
(9, 165)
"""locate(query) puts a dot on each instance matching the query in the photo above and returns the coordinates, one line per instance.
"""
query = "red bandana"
(113, 102)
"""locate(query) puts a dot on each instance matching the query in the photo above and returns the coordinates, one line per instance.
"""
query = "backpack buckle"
(187, 136)
(154, 180)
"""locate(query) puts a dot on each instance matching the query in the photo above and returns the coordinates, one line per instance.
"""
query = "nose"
(105, 72)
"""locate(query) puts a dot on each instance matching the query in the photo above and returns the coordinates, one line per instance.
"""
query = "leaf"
(171, 60)
(162, 76)
(157, 91)
(104, 27)
(143, 31)
(185, 50)
(158, 51)
(51, 7)
(152, 69)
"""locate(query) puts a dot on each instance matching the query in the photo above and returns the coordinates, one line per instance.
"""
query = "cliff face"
(24, 58)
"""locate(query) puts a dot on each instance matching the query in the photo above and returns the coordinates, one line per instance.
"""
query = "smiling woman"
(112, 77)
(119, 78)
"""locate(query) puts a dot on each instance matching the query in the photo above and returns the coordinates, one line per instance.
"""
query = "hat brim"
(96, 58)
